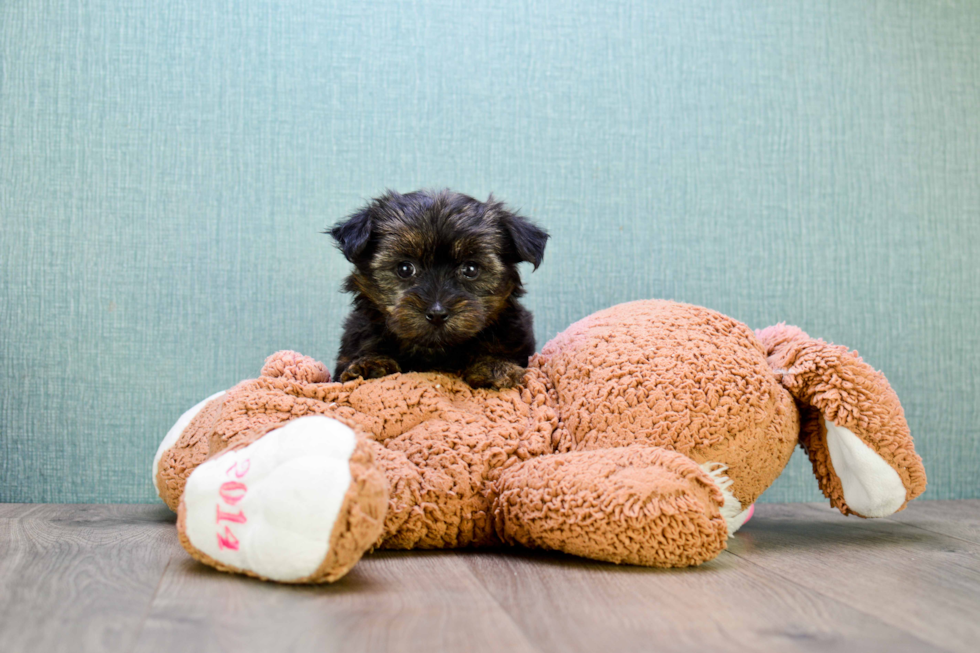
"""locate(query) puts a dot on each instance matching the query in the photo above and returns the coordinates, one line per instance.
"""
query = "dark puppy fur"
(435, 287)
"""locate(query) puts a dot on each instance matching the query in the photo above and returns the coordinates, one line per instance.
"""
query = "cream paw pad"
(293, 506)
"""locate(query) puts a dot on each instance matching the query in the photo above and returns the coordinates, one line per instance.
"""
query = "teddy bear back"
(677, 376)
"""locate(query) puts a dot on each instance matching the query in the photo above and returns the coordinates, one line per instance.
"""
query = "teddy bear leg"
(852, 424)
(638, 505)
(300, 504)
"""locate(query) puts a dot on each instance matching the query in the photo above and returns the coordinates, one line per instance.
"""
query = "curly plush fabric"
(638, 436)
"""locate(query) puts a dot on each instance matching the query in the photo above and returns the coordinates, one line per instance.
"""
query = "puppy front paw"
(370, 367)
(493, 373)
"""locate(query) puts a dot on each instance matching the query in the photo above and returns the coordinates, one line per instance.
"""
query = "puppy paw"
(370, 367)
(493, 373)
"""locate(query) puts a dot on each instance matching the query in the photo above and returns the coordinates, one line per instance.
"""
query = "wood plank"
(565, 603)
(391, 601)
(79, 577)
(915, 580)
(13, 510)
(953, 518)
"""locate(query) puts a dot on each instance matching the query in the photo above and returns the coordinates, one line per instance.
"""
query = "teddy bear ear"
(527, 238)
(353, 233)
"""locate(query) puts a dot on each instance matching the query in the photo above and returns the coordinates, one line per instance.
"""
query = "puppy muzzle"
(435, 324)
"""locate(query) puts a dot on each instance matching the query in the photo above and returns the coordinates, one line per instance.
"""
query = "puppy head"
(439, 266)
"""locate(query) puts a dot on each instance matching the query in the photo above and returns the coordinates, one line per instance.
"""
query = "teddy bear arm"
(853, 427)
(639, 505)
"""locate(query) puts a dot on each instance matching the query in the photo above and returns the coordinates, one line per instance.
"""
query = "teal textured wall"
(165, 168)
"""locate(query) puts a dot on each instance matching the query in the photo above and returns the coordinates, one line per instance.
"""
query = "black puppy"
(435, 287)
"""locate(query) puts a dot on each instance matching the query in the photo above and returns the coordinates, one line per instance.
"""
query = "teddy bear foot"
(300, 504)
(638, 505)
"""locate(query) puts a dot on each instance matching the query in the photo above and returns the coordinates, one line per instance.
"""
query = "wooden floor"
(798, 577)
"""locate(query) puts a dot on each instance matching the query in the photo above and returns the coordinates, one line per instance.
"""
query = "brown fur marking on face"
(493, 305)
(467, 319)
(403, 241)
(407, 318)
(360, 283)
(483, 247)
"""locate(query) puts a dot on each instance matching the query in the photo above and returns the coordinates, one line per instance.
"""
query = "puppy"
(435, 287)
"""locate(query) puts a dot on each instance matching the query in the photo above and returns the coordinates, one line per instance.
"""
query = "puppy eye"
(469, 270)
(405, 270)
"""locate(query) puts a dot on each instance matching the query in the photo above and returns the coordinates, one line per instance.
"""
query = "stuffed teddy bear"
(641, 434)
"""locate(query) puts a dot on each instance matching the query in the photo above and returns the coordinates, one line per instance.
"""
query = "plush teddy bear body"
(641, 434)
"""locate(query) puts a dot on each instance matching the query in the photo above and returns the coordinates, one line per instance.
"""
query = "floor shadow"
(354, 581)
(770, 535)
(566, 561)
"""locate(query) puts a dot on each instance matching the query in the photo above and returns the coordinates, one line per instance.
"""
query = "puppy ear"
(528, 239)
(352, 235)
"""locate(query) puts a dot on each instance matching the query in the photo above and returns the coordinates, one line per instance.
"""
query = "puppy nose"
(437, 313)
